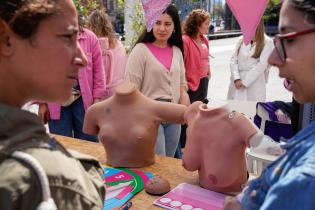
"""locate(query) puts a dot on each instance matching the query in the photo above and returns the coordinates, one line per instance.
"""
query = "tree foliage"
(271, 15)
(85, 7)
(138, 23)
(121, 4)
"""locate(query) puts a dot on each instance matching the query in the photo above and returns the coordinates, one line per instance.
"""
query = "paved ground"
(222, 50)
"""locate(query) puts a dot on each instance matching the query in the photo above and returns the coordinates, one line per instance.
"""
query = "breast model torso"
(127, 125)
(216, 143)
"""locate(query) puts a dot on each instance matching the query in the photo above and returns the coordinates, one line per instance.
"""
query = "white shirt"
(252, 71)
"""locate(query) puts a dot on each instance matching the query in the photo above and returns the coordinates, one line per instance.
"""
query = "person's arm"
(43, 112)
(135, 66)
(99, 86)
(187, 55)
(16, 190)
(186, 49)
(191, 155)
(169, 112)
(231, 203)
(292, 192)
(260, 67)
(109, 71)
(209, 73)
(205, 39)
(234, 62)
(234, 202)
(184, 98)
(90, 124)
(239, 84)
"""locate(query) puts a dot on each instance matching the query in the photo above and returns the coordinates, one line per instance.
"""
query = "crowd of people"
(43, 45)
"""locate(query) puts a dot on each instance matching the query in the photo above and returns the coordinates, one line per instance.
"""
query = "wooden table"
(169, 168)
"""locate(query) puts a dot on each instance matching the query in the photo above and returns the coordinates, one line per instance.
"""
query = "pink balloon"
(248, 14)
(152, 11)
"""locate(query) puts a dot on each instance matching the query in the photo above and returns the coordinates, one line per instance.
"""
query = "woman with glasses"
(289, 182)
(249, 67)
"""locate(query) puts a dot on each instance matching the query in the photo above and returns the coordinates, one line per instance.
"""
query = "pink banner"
(152, 11)
(248, 14)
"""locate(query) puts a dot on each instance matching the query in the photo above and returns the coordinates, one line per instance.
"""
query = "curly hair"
(305, 6)
(194, 21)
(101, 25)
(24, 16)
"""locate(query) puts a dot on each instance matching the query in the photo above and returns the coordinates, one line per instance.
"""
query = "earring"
(174, 31)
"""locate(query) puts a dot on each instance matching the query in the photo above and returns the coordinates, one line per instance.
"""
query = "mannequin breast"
(215, 146)
(129, 146)
(127, 125)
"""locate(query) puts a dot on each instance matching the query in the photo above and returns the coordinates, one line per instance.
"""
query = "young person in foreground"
(39, 59)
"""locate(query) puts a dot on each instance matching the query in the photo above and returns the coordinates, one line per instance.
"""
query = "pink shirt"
(193, 61)
(164, 55)
(204, 63)
(114, 61)
(91, 77)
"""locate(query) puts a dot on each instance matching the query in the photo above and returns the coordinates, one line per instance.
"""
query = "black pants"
(199, 95)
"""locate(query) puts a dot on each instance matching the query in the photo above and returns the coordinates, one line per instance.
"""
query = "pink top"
(204, 64)
(164, 55)
(114, 61)
(193, 61)
(91, 77)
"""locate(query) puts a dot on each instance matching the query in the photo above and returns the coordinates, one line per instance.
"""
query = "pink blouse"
(204, 55)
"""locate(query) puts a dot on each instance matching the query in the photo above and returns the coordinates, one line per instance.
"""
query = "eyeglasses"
(280, 38)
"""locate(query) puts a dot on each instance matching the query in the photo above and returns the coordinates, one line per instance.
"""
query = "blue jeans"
(167, 139)
(71, 122)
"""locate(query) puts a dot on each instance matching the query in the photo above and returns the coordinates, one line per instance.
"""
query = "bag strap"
(47, 202)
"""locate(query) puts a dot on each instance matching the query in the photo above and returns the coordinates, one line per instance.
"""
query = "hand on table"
(231, 203)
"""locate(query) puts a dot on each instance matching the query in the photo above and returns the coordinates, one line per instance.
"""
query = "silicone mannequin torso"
(216, 143)
(127, 125)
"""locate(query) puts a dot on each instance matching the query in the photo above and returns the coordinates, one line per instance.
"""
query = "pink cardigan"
(192, 59)
(91, 77)
(114, 61)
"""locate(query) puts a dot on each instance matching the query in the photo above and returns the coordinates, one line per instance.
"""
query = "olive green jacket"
(75, 180)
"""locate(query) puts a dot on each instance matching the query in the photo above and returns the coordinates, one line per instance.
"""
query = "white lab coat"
(253, 72)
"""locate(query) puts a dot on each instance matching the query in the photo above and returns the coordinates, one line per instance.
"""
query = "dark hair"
(24, 16)
(176, 37)
(305, 6)
(194, 21)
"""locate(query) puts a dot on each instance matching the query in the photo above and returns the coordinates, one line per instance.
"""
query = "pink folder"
(190, 197)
